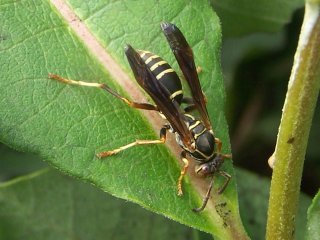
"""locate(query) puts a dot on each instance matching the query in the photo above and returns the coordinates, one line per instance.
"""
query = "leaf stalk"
(298, 110)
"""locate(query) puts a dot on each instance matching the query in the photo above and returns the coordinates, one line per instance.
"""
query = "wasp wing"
(184, 55)
(160, 95)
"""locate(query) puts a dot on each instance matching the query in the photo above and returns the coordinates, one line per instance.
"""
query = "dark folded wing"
(185, 59)
(160, 95)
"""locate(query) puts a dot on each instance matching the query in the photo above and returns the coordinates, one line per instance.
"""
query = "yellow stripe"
(143, 53)
(154, 66)
(197, 135)
(160, 75)
(151, 58)
(173, 95)
(205, 156)
(190, 116)
(194, 125)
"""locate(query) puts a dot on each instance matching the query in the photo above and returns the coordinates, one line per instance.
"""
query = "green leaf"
(72, 209)
(313, 224)
(245, 16)
(67, 125)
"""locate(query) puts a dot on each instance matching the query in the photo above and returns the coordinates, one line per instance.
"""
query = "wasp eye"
(203, 170)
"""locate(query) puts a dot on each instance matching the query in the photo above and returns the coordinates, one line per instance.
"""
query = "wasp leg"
(219, 143)
(183, 157)
(145, 106)
(228, 177)
(163, 136)
(199, 69)
(206, 198)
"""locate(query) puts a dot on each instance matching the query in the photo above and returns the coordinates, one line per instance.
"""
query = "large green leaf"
(74, 210)
(67, 125)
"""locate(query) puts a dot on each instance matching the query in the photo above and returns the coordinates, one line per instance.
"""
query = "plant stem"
(300, 102)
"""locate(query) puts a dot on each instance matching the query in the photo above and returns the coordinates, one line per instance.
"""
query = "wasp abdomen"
(164, 73)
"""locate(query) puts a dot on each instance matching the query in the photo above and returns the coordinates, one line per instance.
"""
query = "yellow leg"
(183, 172)
(163, 136)
(135, 143)
(219, 148)
(199, 69)
(73, 82)
(219, 143)
(145, 106)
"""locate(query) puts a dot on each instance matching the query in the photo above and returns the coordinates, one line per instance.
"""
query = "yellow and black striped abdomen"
(164, 73)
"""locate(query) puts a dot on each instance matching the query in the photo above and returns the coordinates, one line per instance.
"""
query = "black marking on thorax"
(204, 139)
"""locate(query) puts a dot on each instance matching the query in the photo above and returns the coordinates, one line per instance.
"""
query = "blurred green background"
(257, 69)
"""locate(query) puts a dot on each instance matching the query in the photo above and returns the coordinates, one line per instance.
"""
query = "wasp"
(194, 135)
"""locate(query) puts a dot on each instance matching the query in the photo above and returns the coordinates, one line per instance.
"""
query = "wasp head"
(211, 166)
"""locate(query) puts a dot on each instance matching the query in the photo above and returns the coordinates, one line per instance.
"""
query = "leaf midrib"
(122, 78)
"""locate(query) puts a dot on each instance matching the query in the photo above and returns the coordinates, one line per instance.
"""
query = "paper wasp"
(161, 82)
